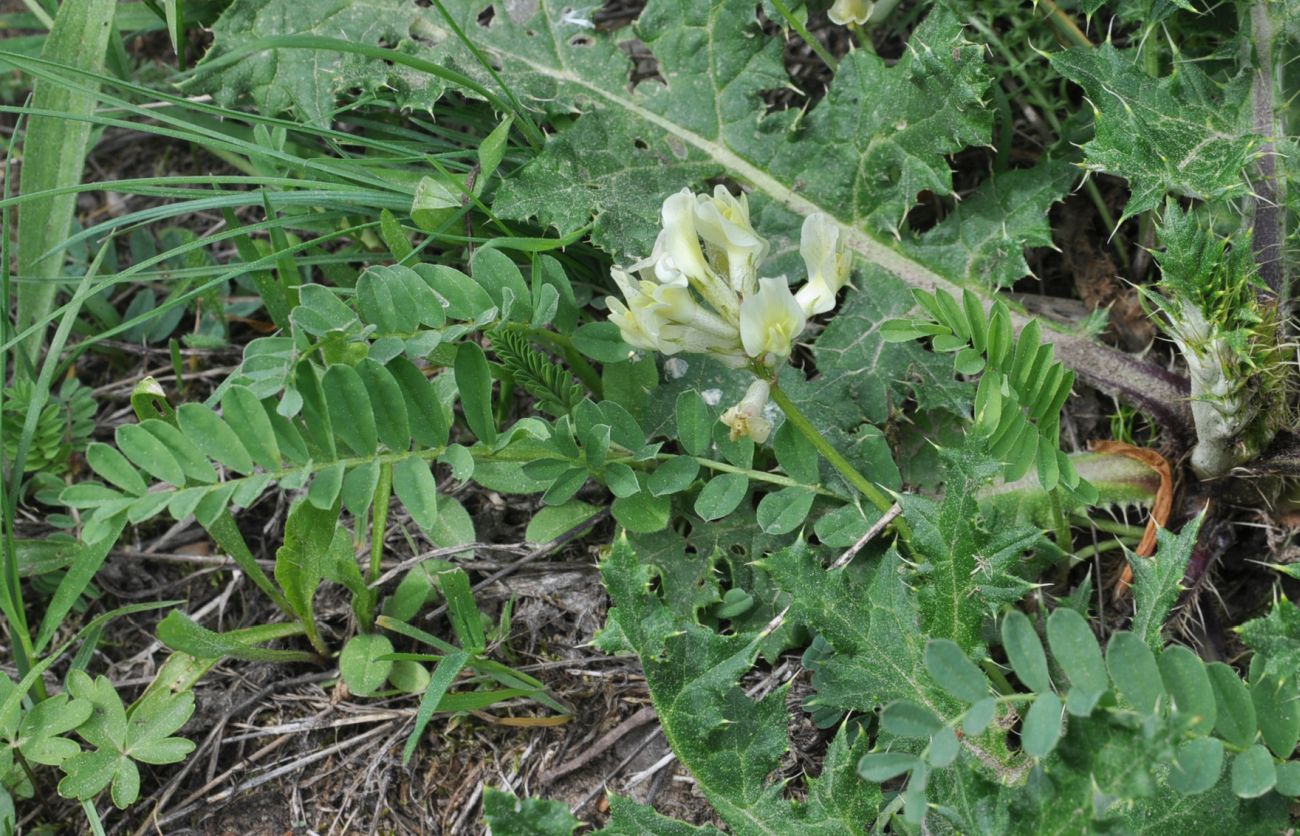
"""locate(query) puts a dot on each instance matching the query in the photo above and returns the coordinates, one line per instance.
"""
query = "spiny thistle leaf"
(1157, 580)
(731, 743)
(309, 81)
(982, 241)
(1173, 135)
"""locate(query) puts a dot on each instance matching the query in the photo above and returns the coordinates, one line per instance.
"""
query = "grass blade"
(54, 154)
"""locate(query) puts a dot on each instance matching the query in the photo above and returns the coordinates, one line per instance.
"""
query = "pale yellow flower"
(851, 12)
(828, 263)
(733, 247)
(746, 418)
(770, 320)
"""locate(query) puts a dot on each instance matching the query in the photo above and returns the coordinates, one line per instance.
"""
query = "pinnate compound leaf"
(1171, 135)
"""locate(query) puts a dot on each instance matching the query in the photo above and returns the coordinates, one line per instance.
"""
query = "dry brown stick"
(879, 526)
(606, 741)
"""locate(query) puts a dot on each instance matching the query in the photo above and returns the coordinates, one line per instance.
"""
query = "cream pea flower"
(828, 263)
(734, 248)
(851, 12)
(637, 320)
(746, 418)
(770, 320)
(699, 292)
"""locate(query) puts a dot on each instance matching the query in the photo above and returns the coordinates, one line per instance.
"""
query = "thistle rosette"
(699, 292)
(1215, 312)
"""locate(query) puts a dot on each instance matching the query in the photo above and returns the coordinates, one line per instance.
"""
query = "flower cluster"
(699, 291)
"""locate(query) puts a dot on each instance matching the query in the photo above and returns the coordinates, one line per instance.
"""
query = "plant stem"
(383, 493)
(864, 485)
(808, 37)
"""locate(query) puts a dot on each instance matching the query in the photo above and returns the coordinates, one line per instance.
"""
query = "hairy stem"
(1267, 219)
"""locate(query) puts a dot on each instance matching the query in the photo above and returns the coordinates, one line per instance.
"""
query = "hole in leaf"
(645, 66)
(485, 17)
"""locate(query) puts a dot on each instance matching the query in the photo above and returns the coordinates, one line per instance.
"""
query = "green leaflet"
(1174, 135)
(731, 744)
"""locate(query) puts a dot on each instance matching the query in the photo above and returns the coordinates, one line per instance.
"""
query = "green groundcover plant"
(819, 422)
